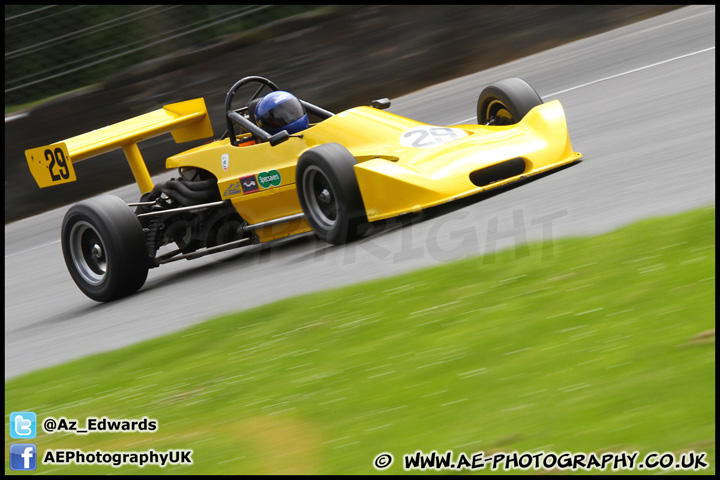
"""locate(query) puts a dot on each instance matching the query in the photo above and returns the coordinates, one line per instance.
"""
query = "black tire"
(105, 248)
(329, 194)
(506, 102)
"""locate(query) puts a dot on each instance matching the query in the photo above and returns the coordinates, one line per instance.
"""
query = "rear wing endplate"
(53, 164)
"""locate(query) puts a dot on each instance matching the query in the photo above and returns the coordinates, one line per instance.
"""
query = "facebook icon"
(23, 456)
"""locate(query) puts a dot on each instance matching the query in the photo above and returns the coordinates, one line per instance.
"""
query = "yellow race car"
(274, 173)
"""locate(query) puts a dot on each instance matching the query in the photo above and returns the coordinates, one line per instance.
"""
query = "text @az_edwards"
(95, 424)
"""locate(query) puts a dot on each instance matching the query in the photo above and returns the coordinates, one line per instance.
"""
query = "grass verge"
(608, 346)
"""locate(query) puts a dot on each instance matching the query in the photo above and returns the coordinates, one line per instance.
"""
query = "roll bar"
(232, 117)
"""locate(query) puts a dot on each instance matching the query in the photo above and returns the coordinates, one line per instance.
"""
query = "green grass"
(606, 346)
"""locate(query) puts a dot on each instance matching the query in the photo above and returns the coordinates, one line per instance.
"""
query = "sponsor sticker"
(232, 189)
(269, 179)
(225, 159)
(249, 184)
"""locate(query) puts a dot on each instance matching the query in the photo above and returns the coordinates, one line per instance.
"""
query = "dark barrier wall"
(338, 59)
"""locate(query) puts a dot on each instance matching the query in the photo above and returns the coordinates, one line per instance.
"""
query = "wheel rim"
(320, 197)
(88, 253)
(498, 114)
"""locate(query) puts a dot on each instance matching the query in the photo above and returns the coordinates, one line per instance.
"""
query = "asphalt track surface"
(640, 103)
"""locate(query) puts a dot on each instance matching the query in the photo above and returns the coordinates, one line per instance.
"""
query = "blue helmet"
(278, 111)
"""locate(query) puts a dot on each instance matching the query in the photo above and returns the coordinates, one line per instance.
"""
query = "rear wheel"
(105, 248)
(329, 194)
(506, 102)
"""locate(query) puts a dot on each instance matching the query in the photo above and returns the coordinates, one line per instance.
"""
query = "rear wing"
(53, 164)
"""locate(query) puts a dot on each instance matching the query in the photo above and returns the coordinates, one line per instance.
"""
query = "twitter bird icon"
(23, 425)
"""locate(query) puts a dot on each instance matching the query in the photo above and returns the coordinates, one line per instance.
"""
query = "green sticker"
(269, 179)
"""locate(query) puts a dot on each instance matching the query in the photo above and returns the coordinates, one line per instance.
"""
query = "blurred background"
(70, 69)
(53, 49)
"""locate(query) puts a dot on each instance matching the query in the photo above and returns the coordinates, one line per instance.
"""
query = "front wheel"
(105, 248)
(506, 102)
(329, 194)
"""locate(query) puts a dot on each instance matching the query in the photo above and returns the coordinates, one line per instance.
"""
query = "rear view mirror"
(381, 104)
(279, 138)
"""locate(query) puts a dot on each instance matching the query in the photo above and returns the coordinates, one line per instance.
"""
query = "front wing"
(489, 157)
